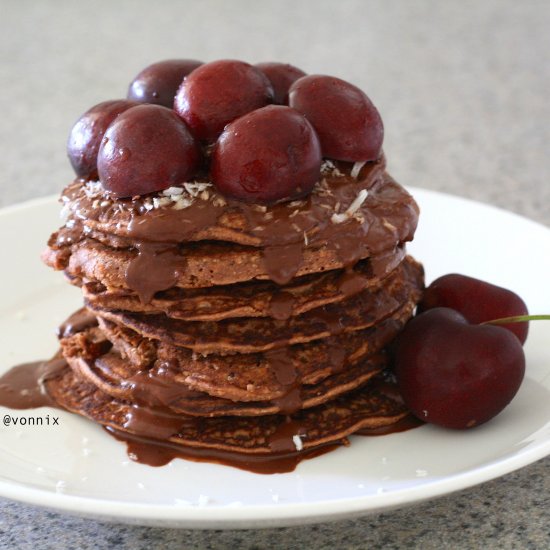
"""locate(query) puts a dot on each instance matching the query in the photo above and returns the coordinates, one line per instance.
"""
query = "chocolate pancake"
(372, 406)
(159, 386)
(238, 377)
(248, 335)
(205, 215)
(253, 298)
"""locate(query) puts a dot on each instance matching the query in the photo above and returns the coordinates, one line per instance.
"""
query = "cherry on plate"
(87, 133)
(267, 155)
(281, 76)
(348, 124)
(455, 374)
(159, 82)
(147, 148)
(217, 93)
(479, 301)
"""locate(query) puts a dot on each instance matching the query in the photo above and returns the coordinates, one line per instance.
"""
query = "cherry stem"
(517, 319)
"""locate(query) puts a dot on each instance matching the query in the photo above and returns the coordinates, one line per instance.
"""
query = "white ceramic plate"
(78, 468)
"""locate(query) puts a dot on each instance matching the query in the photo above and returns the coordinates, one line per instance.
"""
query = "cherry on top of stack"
(234, 226)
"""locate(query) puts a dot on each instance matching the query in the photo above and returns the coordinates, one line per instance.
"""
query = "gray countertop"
(463, 90)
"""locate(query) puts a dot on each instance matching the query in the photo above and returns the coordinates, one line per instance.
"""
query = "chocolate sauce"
(156, 267)
(351, 283)
(159, 423)
(80, 320)
(337, 358)
(154, 388)
(167, 225)
(285, 437)
(281, 305)
(22, 387)
(159, 453)
(282, 263)
(282, 365)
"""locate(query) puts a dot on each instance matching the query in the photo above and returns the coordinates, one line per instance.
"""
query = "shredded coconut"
(297, 440)
(173, 191)
(352, 208)
(357, 168)
(329, 168)
(196, 188)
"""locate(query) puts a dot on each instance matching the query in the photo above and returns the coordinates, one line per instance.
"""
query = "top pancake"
(124, 244)
(387, 213)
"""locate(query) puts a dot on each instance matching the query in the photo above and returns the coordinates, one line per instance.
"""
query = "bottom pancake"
(375, 405)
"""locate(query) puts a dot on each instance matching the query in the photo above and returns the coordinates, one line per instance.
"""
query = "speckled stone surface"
(463, 91)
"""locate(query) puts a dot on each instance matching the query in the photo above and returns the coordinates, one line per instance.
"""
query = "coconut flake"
(173, 191)
(196, 188)
(181, 203)
(352, 208)
(158, 202)
(297, 440)
(328, 167)
(356, 168)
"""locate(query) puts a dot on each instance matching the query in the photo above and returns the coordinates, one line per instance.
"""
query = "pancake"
(253, 298)
(208, 216)
(159, 386)
(372, 406)
(238, 377)
(249, 335)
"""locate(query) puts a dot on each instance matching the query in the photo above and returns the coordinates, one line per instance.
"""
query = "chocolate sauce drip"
(281, 305)
(291, 401)
(337, 357)
(351, 282)
(22, 387)
(282, 263)
(286, 374)
(156, 267)
(329, 319)
(158, 423)
(284, 439)
(155, 389)
(80, 320)
(282, 366)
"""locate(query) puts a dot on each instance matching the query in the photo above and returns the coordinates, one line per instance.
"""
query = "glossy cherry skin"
(479, 301)
(454, 374)
(348, 124)
(148, 148)
(159, 82)
(217, 93)
(87, 133)
(281, 76)
(267, 155)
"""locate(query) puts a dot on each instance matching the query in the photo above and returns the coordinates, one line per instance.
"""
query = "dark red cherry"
(148, 148)
(348, 124)
(87, 133)
(281, 76)
(159, 82)
(455, 374)
(477, 300)
(217, 93)
(267, 155)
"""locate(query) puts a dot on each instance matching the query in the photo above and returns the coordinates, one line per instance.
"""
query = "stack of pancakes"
(220, 325)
